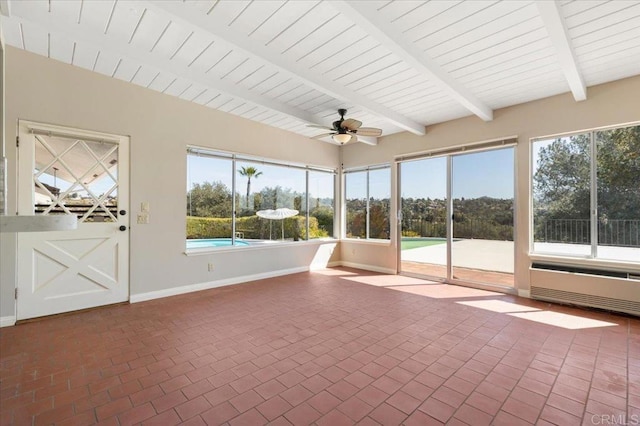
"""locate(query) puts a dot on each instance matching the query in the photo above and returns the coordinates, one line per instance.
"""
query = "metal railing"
(611, 232)
(568, 231)
(468, 228)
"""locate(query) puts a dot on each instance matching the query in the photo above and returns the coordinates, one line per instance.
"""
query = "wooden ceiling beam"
(558, 33)
(374, 23)
(189, 17)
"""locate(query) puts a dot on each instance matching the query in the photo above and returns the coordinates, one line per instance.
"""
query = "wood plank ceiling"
(396, 65)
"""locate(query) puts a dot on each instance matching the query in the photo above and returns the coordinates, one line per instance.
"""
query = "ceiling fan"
(346, 130)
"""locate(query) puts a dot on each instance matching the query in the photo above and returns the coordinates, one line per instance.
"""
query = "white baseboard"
(371, 268)
(7, 321)
(174, 291)
(524, 293)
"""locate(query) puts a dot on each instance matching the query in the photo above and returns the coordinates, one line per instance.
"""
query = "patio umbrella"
(277, 214)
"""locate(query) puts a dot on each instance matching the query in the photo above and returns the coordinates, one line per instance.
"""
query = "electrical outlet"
(353, 251)
(143, 219)
(144, 206)
(210, 267)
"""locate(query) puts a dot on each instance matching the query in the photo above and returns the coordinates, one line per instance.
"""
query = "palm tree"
(249, 172)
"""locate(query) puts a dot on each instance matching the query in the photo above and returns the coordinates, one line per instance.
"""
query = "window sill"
(586, 262)
(263, 246)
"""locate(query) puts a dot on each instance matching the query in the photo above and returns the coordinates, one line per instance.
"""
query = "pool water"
(214, 242)
(413, 242)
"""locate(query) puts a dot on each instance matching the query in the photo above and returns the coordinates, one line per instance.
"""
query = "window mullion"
(449, 213)
(367, 215)
(594, 197)
(233, 201)
(306, 196)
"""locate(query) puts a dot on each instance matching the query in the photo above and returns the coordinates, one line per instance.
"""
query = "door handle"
(122, 228)
(122, 212)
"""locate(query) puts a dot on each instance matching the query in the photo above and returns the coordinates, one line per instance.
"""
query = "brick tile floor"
(324, 348)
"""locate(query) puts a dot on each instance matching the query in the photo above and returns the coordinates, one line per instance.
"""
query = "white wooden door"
(63, 170)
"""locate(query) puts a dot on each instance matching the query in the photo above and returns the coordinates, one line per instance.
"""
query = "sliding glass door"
(482, 191)
(424, 203)
(457, 216)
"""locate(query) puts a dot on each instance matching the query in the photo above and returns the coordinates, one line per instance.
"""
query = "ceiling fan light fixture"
(341, 138)
(344, 130)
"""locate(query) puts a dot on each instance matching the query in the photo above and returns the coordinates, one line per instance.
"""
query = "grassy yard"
(411, 243)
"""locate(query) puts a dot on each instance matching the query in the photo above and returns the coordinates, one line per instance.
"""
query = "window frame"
(234, 158)
(366, 169)
(592, 257)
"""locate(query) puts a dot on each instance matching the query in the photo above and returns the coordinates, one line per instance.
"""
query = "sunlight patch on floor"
(389, 280)
(445, 291)
(571, 322)
(499, 306)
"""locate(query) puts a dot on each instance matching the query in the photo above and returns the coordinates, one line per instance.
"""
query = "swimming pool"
(414, 242)
(213, 242)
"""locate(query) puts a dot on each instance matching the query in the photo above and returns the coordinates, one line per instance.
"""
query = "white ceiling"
(398, 65)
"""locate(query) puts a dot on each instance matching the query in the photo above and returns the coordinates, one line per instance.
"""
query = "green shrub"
(253, 227)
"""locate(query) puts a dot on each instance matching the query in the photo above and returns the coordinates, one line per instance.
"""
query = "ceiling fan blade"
(324, 135)
(317, 126)
(369, 131)
(351, 124)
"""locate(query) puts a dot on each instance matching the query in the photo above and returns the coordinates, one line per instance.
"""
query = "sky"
(99, 187)
(485, 173)
(379, 184)
(207, 169)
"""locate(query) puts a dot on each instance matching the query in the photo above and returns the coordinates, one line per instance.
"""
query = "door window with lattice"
(76, 176)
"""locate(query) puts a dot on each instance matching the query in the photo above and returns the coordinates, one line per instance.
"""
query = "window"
(368, 195)
(586, 194)
(209, 199)
(240, 201)
(321, 207)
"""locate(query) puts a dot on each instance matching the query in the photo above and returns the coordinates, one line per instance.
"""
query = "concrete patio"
(485, 255)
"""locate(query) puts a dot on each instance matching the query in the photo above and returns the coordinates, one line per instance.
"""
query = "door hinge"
(17, 141)
(16, 294)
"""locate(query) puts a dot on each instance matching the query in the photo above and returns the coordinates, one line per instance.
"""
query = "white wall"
(160, 126)
(607, 104)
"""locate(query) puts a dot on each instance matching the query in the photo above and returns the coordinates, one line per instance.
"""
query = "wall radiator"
(610, 290)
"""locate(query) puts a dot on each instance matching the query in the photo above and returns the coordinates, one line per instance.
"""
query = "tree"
(619, 173)
(379, 219)
(561, 184)
(249, 172)
(274, 197)
(209, 199)
(324, 214)
(357, 224)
